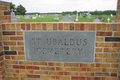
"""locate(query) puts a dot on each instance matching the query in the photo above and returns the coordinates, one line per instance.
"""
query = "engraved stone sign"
(59, 46)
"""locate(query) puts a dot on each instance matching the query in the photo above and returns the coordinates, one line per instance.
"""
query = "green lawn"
(51, 19)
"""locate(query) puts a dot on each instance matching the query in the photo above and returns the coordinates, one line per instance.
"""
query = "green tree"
(63, 14)
(74, 12)
(12, 6)
(20, 10)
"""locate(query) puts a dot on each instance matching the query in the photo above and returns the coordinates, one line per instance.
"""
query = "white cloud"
(65, 5)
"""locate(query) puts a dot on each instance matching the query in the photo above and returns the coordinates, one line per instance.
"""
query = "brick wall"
(104, 67)
(118, 11)
(4, 17)
(119, 69)
(13, 66)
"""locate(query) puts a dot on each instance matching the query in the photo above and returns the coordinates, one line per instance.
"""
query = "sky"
(44, 6)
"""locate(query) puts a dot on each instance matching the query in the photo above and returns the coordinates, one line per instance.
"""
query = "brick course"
(105, 65)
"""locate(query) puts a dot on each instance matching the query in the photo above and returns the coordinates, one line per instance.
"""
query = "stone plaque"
(59, 46)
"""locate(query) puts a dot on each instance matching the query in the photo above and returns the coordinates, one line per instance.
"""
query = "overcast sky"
(65, 5)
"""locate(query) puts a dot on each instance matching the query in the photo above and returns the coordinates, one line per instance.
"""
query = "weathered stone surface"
(59, 46)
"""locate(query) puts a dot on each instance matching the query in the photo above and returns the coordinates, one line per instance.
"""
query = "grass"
(51, 19)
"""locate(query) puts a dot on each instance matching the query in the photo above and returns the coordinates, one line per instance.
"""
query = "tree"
(74, 12)
(63, 14)
(20, 10)
(12, 6)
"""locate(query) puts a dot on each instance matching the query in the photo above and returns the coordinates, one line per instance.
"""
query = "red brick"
(104, 33)
(103, 44)
(86, 74)
(40, 72)
(23, 26)
(26, 71)
(93, 78)
(28, 26)
(3, 26)
(77, 78)
(104, 27)
(114, 65)
(63, 77)
(19, 75)
(18, 67)
(43, 26)
(102, 65)
(25, 62)
(93, 27)
(60, 26)
(109, 27)
(32, 67)
(54, 26)
(111, 49)
(11, 62)
(94, 69)
(82, 26)
(33, 26)
(38, 26)
(102, 74)
(113, 74)
(71, 26)
(110, 60)
(87, 64)
(16, 38)
(55, 64)
(33, 76)
(98, 59)
(19, 32)
(98, 49)
(12, 70)
(114, 27)
(99, 26)
(77, 26)
(13, 26)
(116, 33)
(47, 77)
(55, 73)
(78, 69)
(40, 63)
(113, 55)
(71, 73)
(18, 26)
(102, 55)
(115, 44)
(1, 58)
(20, 43)
(7, 57)
(47, 68)
(66, 26)
(62, 68)
(13, 48)
(9, 43)
(109, 70)
(21, 53)
(71, 64)
(18, 58)
(108, 78)
(88, 28)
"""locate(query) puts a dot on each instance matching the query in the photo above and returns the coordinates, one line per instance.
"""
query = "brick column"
(118, 11)
(118, 20)
(4, 17)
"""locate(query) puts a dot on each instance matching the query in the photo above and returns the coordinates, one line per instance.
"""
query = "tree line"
(96, 12)
(106, 12)
(20, 10)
